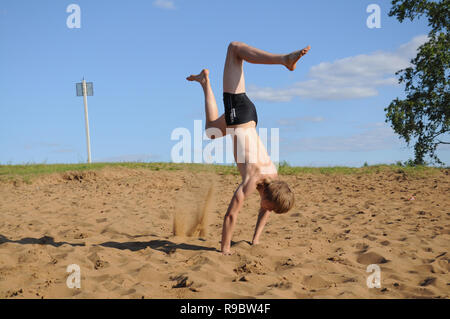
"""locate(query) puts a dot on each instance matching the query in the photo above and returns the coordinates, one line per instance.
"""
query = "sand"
(117, 224)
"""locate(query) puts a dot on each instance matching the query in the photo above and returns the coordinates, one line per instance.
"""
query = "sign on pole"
(89, 89)
(86, 89)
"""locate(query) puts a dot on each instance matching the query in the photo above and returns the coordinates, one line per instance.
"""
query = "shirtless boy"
(240, 120)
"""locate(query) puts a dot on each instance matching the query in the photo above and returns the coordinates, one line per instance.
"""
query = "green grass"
(26, 173)
(373, 169)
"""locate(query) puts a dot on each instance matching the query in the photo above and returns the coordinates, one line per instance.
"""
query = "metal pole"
(86, 118)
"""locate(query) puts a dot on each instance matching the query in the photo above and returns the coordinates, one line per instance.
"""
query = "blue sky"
(330, 111)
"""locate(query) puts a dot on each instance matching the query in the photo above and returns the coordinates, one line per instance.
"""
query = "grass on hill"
(29, 171)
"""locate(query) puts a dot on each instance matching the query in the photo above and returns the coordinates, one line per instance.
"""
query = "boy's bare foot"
(227, 253)
(202, 78)
(292, 58)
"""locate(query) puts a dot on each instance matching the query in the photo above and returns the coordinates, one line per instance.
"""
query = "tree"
(423, 117)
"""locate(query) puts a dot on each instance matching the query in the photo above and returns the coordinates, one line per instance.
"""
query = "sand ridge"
(117, 224)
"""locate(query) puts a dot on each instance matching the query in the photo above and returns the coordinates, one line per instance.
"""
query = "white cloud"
(349, 78)
(377, 136)
(164, 4)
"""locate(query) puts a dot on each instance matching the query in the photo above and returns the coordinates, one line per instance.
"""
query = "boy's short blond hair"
(279, 193)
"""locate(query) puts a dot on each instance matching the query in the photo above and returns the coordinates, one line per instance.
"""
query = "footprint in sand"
(182, 281)
(316, 282)
(362, 247)
(371, 258)
(149, 273)
(97, 261)
(283, 285)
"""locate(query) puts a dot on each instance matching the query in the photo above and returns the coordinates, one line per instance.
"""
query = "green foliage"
(409, 163)
(423, 118)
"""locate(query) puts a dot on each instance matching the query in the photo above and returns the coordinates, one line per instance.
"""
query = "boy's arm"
(263, 216)
(235, 206)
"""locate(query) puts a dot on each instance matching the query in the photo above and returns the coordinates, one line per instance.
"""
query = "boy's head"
(275, 195)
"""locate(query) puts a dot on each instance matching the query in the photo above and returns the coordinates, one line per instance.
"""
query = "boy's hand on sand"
(227, 253)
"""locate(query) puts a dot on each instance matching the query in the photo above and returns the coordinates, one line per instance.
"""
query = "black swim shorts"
(239, 109)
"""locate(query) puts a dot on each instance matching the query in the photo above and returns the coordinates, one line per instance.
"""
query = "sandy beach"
(117, 225)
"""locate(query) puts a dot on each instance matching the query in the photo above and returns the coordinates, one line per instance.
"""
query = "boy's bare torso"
(250, 154)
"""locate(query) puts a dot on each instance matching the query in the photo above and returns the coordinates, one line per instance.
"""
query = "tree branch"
(442, 131)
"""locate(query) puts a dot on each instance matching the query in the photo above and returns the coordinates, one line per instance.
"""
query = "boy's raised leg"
(211, 111)
(233, 76)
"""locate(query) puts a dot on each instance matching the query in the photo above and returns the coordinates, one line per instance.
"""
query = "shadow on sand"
(46, 240)
(161, 245)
